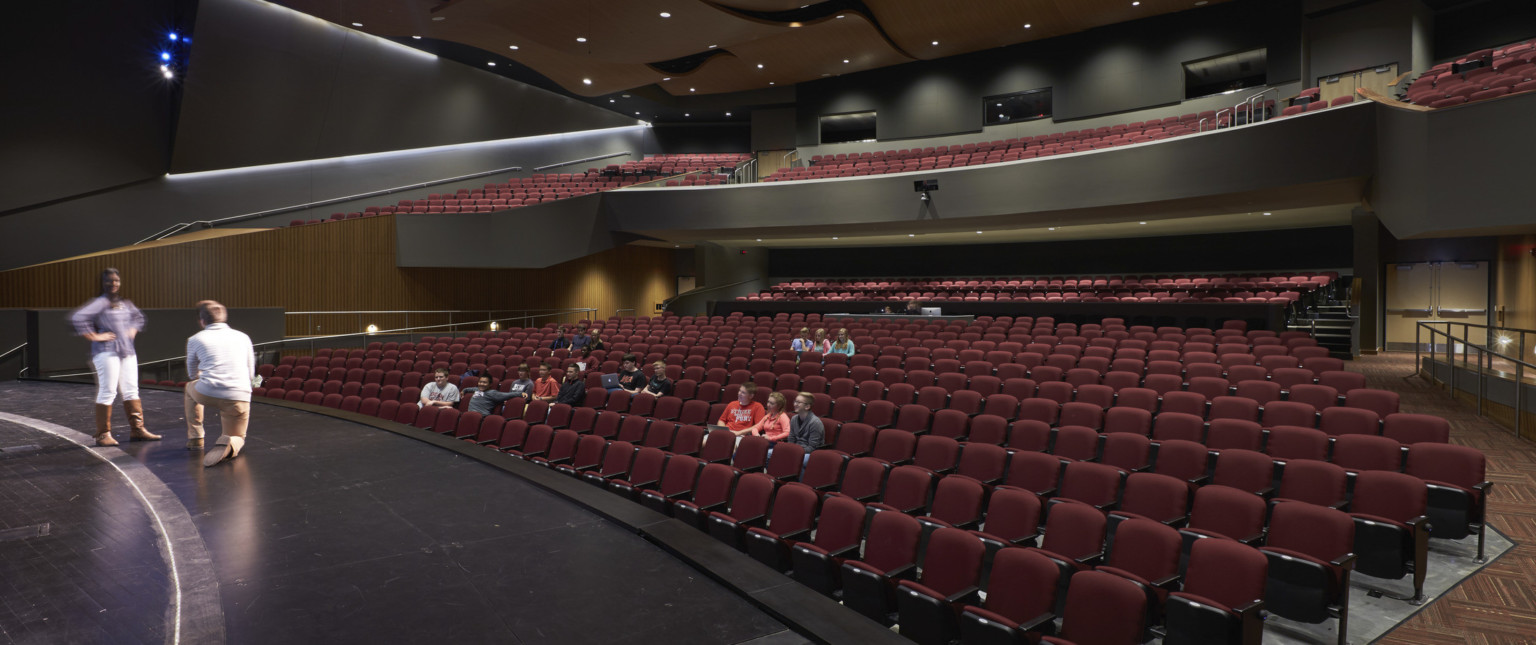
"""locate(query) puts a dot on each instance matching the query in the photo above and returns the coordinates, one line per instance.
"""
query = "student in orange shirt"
(743, 413)
(546, 388)
(775, 423)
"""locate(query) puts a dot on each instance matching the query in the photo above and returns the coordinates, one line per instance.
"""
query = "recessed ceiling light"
(839, 16)
(911, 235)
(727, 113)
(759, 65)
(770, 82)
(666, 15)
(1201, 3)
(935, 42)
(581, 39)
(491, 63)
(978, 232)
(1268, 214)
(845, 61)
(999, 105)
(357, 24)
(687, 114)
(612, 101)
(690, 89)
(586, 81)
(512, 47)
(796, 24)
(834, 237)
(666, 78)
(1135, 4)
(416, 37)
(1051, 228)
(1142, 223)
(637, 114)
(439, 18)
(1026, 25)
(713, 46)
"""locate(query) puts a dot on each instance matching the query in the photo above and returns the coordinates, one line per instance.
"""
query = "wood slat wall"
(1516, 280)
(340, 266)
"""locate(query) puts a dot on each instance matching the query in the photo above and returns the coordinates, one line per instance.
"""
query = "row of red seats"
(1480, 75)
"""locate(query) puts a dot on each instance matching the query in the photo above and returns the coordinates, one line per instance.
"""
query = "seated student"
(597, 341)
(914, 307)
(631, 379)
(584, 360)
(546, 388)
(744, 412)
(560, 341)
(805, 429)
(574, 391)
(803, 343)
(522, 386)
(660, 385)
(774, 426)
(580, 339)
(842, 345)
(483, 399)
(439, 392)
(819, 342)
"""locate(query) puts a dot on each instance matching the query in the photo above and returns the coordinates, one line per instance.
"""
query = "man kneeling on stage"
(222, 365)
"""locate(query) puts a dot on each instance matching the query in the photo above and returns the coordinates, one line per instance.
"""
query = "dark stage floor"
(322, 530)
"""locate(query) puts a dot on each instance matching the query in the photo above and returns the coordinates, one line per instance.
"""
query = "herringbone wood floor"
(1498, 604)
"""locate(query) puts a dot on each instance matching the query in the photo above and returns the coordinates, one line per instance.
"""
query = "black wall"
(86, 107)
(695, 138)
(270, 85)
(1294, 249)
(1117, 68)
(1478, 25)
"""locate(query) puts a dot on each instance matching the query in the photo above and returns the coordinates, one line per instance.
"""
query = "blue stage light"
(165, 55)
(174, 37)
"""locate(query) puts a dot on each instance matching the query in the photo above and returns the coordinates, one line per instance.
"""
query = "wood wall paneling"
(1516, 285)
(342, 266)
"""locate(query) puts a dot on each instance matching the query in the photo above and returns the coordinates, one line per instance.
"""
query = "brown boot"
(104, 425)
(135, 410)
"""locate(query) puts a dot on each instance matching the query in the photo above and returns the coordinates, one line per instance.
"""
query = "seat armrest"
(563, 460)
(843, 552)
(1168, 583)
(756, 520)
(906, 571)
(1267, 492)
(644, 485)
(1346, 561)
(1091, 559)
(1201, 480)
(706, 510)
(682, 494)
(968, 595)
(1255, 606)
(1038, 622)
(587, 468)
(1420, 523)
(1253, 540)
(796, 536)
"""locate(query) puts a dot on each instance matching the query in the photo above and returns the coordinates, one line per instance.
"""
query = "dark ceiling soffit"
(819, 12)
(685, 64)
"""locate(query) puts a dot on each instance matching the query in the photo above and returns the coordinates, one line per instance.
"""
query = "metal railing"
(745, 172)
(583, 160)
(1485, 354)
(790, 159)
(22, 349)
(668, 302)
(1249, 103)
(485, 314)
(265, 352)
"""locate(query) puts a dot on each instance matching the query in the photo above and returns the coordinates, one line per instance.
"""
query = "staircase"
(1333, 321)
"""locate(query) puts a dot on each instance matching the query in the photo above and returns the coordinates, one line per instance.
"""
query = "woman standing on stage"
(111, 322)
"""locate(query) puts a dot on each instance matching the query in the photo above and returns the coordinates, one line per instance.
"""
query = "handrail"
(574, 161)
(177, 228)
(1482, 351)
(669, 301)
(1400, 78)
(786, 161)
(312, 339)
(741, 171)
(12, 350)
(1392, 103)
(1256, 97)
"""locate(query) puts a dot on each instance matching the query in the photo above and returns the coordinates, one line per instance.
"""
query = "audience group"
(780, 420)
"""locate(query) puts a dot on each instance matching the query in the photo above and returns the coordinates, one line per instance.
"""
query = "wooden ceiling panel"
(802, 54)
(632, 31)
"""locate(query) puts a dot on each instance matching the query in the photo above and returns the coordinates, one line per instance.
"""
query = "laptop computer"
(610, 381)
(932, 311)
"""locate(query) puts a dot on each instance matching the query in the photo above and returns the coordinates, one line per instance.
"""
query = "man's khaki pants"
(234, 416)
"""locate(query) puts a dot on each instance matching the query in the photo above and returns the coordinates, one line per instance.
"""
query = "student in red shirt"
(744, 412)
(546, 388)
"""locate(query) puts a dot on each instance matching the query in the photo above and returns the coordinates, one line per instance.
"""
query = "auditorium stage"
(322, 530)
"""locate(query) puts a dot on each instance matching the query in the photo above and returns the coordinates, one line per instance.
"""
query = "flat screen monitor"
(932, 311)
